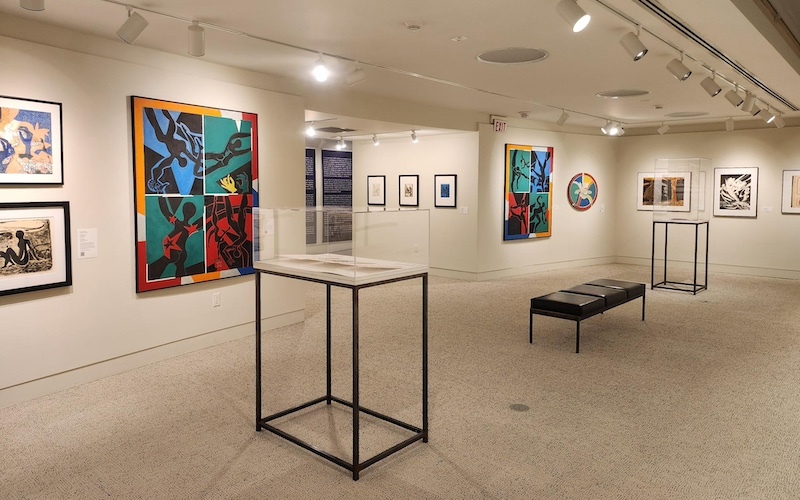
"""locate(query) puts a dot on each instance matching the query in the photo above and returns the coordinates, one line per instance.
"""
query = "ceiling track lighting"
(605, 128)
(563, 118)
(197, 40)
(375, 140)
(133, 26)
(572, 13)
(310, 130)
(678, 69)
(633, 45)
(34, 5)
(749, 101)
(662, 129)
(356, 76)
(340, 143)
(766, 115)
(733, 96)
(320, 72)
(710, 86)
(755, 110)
(414, 137)
(729, 125)
(779, 122)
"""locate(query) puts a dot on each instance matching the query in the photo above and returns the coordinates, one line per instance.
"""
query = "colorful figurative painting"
(582, 191)
(791, 192)
(735, 191)
(664, 191)
(196, 181)
(34, 246)
(528, 192)
(30, 142)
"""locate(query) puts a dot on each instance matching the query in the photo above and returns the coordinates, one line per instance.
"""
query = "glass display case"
(350, 247)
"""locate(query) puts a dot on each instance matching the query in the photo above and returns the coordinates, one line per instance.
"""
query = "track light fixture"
(611, 128)
(197, 40)
(357, 76)
(375, 140)
(606, 128)
(729, 125)
(310, 130)
(710, 85)
(34, 5)
(572, 13)
(733, 96)
(320, 71)
(132, 27)
(755, 110)
(678, 69)
(633, 46)
(662, 129)
(414, 137)
(749, 101)
(340, 143)
(766, 115)
(563, 118)
(620, 131)
(779, 121)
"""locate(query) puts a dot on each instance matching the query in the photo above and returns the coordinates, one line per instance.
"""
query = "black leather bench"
(584, 301)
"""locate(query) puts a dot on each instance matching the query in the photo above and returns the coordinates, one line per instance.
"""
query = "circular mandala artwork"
(582, 191)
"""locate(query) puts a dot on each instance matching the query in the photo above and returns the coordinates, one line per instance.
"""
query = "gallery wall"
(99, 326)
(766, 245)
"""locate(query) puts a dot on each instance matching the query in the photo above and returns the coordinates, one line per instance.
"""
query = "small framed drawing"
(791, 192)
(34, 246)
(444, 195)
(409, 190)
(735, 191)
(664, 191)
(376, 190)
(30, 142)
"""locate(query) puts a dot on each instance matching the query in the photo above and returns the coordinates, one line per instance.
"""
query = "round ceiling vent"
(620, 93)
(513, 55)
(687, 114)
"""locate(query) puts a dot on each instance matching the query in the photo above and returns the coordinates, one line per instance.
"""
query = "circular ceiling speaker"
(513, 55)
(621, 93)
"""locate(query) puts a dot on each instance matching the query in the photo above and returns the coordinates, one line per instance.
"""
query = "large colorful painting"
(30, 142)
(196, 181)
(735, 191)
(34, 246)
(528, 192)
(664, 191)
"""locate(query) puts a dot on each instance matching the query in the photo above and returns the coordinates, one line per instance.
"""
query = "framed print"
(444, 195)
(528, 197)
(409, 190)
(34, 246)
(376, 190)
(30, 142)
(664, 191)
(582, 192)
(196, 183)
(735, 191)
(791, 192)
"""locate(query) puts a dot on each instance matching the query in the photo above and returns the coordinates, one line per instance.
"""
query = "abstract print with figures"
(528, 192)
(30, 142)
(196, 181)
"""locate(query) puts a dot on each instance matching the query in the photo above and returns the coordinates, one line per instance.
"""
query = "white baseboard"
(95, 371)
(764, 272)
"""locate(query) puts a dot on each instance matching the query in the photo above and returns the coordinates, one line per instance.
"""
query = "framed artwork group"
(444, 195)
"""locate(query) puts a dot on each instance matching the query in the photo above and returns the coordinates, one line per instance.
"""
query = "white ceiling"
(427, 67)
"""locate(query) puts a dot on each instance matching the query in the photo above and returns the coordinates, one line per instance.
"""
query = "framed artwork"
(582, 191)
(735, 191)
(664, 191)
(791, 192)
(196, 183)
(376, 190)
(444, 194)
(35, 249)
(409, 190)
(30, 142)
(528, 198)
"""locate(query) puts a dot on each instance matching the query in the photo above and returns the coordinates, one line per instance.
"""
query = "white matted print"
(791, 192)
(735, 191)
(444, 195)
(409, 190)
(376, 190)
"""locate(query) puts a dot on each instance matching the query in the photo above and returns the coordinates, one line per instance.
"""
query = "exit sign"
(499, 125)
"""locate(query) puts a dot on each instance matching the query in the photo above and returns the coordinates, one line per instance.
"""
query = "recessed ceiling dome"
(619, 93)
(513, 55)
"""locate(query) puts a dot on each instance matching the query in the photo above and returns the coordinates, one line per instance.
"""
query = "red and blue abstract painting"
(528, 192)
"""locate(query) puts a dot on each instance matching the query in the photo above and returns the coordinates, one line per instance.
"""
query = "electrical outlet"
(216, 299)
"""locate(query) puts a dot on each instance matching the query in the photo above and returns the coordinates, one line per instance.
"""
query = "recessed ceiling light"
(513, 55)
(620, 93)
(459, 38)
(687, 114)
(413, 26)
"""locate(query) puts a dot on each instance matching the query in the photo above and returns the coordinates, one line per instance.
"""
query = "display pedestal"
(694, 286)
(354, 285)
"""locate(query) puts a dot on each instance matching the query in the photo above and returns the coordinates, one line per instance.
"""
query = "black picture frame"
(34, 152)
(376, 190)
(408, 191)
(445, 190)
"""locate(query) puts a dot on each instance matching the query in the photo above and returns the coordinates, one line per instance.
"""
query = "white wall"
(767, 245)
(53, 339)
(453, 234)
(577, 238)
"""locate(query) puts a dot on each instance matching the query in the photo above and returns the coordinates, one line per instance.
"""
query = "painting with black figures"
(25, 246)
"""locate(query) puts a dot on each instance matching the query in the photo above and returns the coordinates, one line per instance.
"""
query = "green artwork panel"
(175, 236)
(539, 216)
(228, 155)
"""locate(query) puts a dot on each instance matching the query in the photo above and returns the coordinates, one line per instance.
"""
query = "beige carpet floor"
(701, 400)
